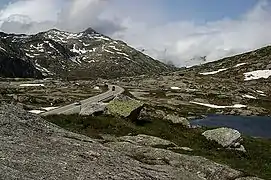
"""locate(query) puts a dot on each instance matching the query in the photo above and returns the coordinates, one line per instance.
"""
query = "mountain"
(87, 54)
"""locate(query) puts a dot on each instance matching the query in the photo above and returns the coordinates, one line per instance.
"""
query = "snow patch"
(96, 88)
(29, 55)
(123, 54)
(42, 69)
(109, 51)
(175, 88)
(3, 49)
(257, 75)
(114, 47)
(31, 85)
(127, 58)
(75, 60)
(248, 96)
(258, 91)
(214, 72)
(261, 93)
(102, 38)
(36, 111)
(80, 51)
(86, 44)
(49, 108)
(91, 61)
(241, 64)
(219, 107)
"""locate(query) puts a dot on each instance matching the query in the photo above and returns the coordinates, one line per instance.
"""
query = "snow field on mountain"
(254, 75)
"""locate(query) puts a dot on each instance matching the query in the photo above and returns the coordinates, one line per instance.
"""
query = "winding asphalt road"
(74, 109)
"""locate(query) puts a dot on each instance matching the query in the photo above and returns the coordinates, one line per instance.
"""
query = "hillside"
(238, 85)
(235, 67)
(87, 55)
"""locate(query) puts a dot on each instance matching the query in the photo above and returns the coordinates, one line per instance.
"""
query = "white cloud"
(37, 10)
(187, 40)
(175, 41)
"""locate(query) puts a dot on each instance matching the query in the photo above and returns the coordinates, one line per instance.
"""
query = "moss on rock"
(125, 107)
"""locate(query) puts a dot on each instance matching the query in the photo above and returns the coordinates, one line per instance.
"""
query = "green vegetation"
(257, 161)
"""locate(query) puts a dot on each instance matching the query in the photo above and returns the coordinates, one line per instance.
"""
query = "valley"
(64, 97)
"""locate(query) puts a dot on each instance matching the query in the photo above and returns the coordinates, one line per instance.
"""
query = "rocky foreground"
(32, 148)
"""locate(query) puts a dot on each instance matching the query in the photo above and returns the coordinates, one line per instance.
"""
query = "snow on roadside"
(31, 85)
(253, 75)
(214, 72)
(248, 96)
(219, 107)
(175, 88)
(36, 111)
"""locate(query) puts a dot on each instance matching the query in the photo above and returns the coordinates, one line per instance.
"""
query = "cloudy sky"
(180, 31)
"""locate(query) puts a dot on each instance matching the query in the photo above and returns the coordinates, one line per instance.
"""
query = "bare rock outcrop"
(32, 148)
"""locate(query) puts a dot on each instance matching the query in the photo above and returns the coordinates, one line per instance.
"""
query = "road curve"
(74, 109)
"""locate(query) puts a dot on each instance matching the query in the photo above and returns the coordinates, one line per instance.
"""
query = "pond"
(256, 126)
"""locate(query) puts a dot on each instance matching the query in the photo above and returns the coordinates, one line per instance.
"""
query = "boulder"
(93, 109)
(125, 106)
(177, 120)
(226, 137)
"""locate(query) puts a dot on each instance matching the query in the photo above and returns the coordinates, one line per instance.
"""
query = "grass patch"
(256, 162)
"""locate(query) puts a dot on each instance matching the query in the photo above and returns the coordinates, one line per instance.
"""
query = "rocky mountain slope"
(235, 85)
(87, 54)
(32, 148)
(239, 67)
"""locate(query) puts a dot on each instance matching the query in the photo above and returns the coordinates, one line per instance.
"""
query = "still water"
(256, 126)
